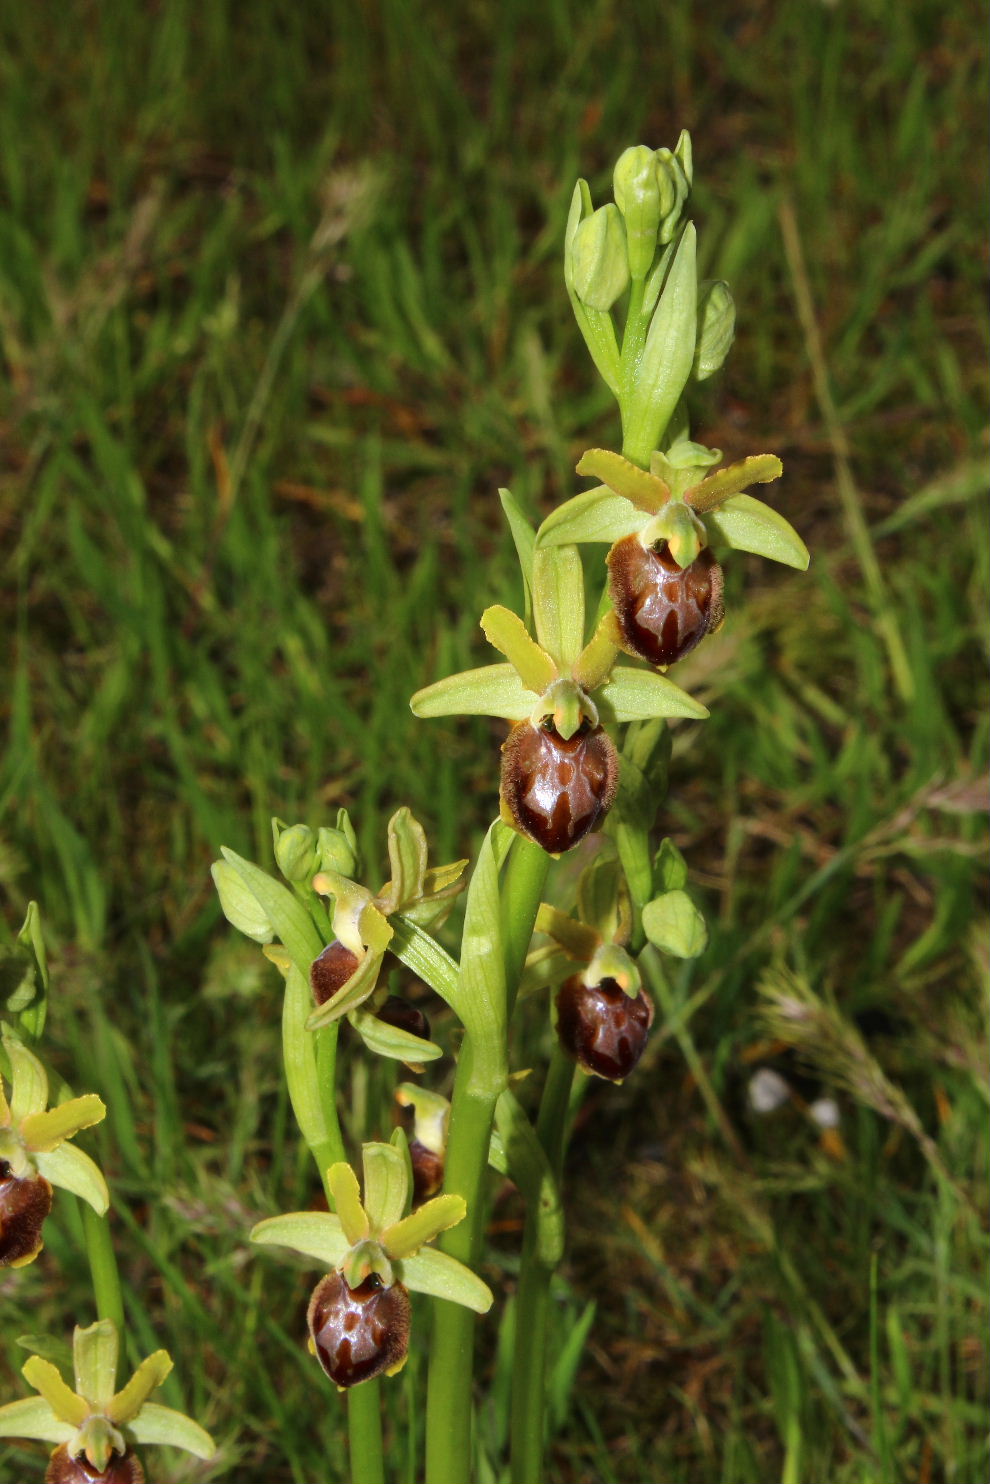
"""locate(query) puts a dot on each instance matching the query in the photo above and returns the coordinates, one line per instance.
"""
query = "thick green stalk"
(364, 1430)
(103, 1268)
(449, 1405)
(533, 1297)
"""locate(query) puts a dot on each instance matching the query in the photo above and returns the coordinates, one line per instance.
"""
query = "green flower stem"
(533, 1297)
(449, 1407)
(103, 1268)
(364, 1430)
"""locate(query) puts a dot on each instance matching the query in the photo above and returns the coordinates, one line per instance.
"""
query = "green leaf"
(530, 1169)
(716, 328)
(147, 1378)
(346, 1194)
(72, 1169)
(669, 868)
(558, 603)
(444, 1277)
(157, 1424)
(239, 904)
(315, 1234)
(386, 1185)
(524, 538)
(301, 1073)
(407, 1236)
(645, 491)
(507, 633)
(391, 1041)
(673, 924)
(595, 515)
(491, 690)
(634, 695)
(63, 1401)
(668, 353)
(95, 1352)
(431, 963)
(710, 493)
(33, 1418)
(749, 525)
(289, 919)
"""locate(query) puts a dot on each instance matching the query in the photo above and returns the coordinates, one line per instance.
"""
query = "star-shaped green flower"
(95, 1421)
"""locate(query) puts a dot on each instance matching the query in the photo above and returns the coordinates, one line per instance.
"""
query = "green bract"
(378, 1234)
(93, 1419)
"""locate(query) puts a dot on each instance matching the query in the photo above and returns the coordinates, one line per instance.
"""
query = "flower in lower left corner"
(35, 1154)
(94, 1426)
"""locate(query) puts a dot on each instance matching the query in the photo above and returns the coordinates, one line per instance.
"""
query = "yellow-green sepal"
(490, 690)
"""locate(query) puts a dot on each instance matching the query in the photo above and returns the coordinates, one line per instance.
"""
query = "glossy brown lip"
(358, 1332)
(663, 610)
(558, 789)
(122, 1469)
(602, 1027)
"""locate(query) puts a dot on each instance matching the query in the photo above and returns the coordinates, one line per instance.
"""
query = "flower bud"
(663, 610)
(24, 1204)
(63, 1469)
(406, 1017)
(601, 1027)
(296, 853)
(337, 850)
(636, 186)
(331, 971)
(556, 790)
(674, 187)
(359, 1332)
(599, 265)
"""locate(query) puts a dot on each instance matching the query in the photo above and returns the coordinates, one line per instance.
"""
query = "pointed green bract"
(424, 955)
(662, 371)
(347, 1199)
(315, 1234)
(506, 632)
(73, 1170)
(407, 1236)
(301, 1074)
(442, 1276)
(289, 919)
(491, 690)
(595, 515)
(524, 538)
(749, 525)
(158, 1424)
(386, 1185)
(716, 329)
(710, 493)
(482, 999)
(63, 1401)
(558, 602)
(647, 492)
(635, 695)
(239, 904)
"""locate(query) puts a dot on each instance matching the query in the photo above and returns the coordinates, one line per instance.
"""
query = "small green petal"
(507, 633)
(315, 1234)
(491, 690)
(157, 1424)
(749, 525)
(147, 1378)
(72, 1169)
(634, 695)
(347, 1199)
(407, 1236)
(28, 1080)
(63, 1401)
(386, 1185)
(95, 1350)
(645, 491)
(442, 1276)
(32, 1417)
(43, 1132)
(710, 493)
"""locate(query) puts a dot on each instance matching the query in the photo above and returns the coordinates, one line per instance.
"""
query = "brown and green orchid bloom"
(92, 1420)
(35, 1154)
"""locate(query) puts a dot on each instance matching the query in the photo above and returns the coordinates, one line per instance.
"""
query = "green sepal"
(407, 1236)
(524, 539)
(715, 489)
(386, 1185)
(407, 855)
(716, 328)
(529, 1169)
(491, 690)
(72, 1169)
(668, 354)
(558, 602)
(595, 324)
(47, 1380)
(646, 491)
(32, 1417)
(428, 960)
(43, 1132)
(346, 1194)
(635, 695)
(595, 515)
(315, 1234)
(28, 1079)
(150, 1374)
(443, 1277)
(669, 868)
(158, 1424)
(289, 919)
(749, 525)
(391, 1041)
(673, 924)
(506, 632)
(239, 904)
(579, 941)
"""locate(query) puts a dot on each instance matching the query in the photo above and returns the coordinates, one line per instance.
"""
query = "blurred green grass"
(280, 308)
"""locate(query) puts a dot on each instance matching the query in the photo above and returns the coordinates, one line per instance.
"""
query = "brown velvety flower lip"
(663, 610)
(558, 790)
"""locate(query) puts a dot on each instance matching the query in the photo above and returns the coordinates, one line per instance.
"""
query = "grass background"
(280, 308)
